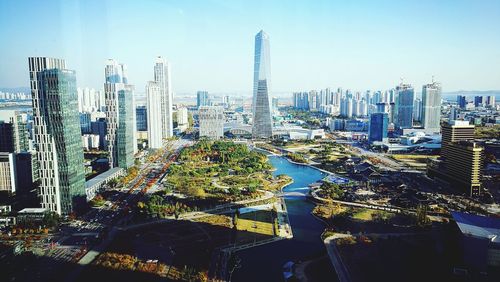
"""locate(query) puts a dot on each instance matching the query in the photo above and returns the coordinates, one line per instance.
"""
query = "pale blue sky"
(314, 44)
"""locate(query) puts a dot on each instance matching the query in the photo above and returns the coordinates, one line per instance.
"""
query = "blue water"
(265, 263)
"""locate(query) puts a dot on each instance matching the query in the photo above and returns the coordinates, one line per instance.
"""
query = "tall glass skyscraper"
(120, 115)
(162, 78)
(262, 122)
(431, 107)
(403, 118)
(57, 134)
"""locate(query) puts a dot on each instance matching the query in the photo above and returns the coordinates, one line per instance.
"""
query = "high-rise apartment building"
(57, 134)
(262, 119)
(417, 110)
(120, 116)
(403, 116)
(162, 78)
(154, 101)
(431, 110)
(202, 99)
(211, 120)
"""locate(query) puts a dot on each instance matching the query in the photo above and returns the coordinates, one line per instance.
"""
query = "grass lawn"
(368, 215)
(258, 224)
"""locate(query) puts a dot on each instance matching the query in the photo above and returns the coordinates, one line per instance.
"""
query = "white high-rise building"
(162, 77)
(211, 120)
(182, 116)
(155, 131)
(431, 107)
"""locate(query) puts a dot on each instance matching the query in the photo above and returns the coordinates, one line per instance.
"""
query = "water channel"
(264, 263)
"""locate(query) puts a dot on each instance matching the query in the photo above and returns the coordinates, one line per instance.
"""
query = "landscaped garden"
(212, 173)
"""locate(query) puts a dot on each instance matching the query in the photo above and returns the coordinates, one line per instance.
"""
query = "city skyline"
(365, 46)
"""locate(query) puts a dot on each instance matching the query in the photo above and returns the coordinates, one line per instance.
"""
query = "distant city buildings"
(461, 101)
(211, 119)
(431, 111)
(202, 99)
(262, 119)
(57, 134)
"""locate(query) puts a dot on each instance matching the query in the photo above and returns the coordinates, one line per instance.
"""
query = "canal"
(264, 263)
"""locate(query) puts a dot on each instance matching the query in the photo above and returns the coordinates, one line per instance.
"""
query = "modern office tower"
(377, 130)
(431, 110)
(478, 101)
(6, 137)
(141, 116)
(182, 116)
(8, 177)
(455, 131)
(262, 120)
(57, 134)
(417, 110)
(20, 132)
(24, 172)
(202, 99)
(461, 101)
(85, 122)
(490, 101)
(154, 100)
(99, 128)
(404, 107)
(211, 120)
(162, 78)
(464, 165)
(120, 113)
(453, 115)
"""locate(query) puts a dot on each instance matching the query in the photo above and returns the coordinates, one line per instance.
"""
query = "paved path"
(333, 253)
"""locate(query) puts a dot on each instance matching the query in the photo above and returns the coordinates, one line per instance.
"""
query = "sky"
(356, 45)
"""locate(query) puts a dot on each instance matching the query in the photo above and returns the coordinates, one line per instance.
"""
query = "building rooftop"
(101, 177)
(32, 210)
(478, 226)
